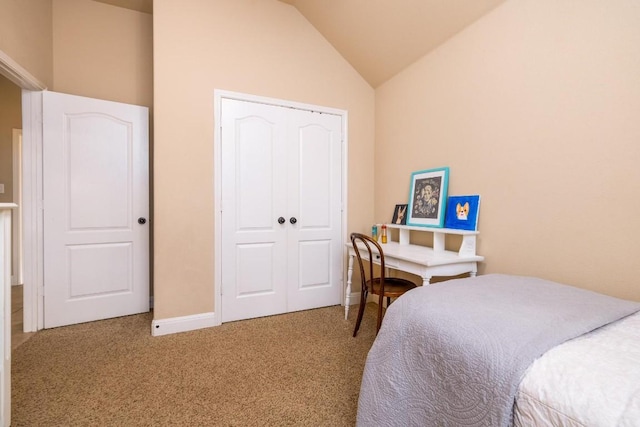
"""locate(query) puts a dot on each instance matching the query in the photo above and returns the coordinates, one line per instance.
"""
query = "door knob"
(142, 221)
(281, 220)
(293, 220)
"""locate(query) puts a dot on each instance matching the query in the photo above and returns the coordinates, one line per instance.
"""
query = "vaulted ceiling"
(145, 6)
(378, 38)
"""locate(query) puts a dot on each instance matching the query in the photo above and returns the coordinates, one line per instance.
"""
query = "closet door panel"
(254, 244)
(315, 197)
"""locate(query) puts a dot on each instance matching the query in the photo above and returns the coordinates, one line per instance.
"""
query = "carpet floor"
(296, 369)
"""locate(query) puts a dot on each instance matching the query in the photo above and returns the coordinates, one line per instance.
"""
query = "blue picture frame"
(427, 197)
(462, 212)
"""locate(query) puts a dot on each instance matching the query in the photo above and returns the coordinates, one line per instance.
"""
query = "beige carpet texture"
(296, 369)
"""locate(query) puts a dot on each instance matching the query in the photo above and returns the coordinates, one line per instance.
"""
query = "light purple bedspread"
(453, 353)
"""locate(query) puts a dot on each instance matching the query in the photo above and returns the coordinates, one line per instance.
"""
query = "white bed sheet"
(593, 381)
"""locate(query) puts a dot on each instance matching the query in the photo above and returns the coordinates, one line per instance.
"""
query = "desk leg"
(474, 272)
(426, 280)
(347, 297)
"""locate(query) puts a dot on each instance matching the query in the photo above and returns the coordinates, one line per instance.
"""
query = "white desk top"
(423, 255)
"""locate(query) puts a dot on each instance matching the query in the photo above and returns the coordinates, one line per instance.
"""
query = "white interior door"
(281, 209)
(96, 206)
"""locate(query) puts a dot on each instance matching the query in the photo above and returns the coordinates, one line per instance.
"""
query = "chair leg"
(380, 304)
(363, 299)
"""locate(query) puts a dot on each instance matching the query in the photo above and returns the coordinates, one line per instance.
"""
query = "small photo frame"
(427, 197)
(462, 212)
(400, 215)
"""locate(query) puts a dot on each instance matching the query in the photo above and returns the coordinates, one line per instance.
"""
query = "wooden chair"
(390, 287)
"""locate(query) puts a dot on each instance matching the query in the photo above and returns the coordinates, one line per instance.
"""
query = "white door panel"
(95, 181)
(314, 161)
(279, 163)
(314, 264)
(99, 174)
(255, 270)
(253, 242)
(99, 269)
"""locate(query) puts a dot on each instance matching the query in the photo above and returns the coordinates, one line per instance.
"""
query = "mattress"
(592, 380)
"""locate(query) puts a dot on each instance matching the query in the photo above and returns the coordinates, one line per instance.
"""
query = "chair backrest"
(364, 243)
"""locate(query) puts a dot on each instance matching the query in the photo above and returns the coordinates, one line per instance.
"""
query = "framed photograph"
(427, 197)
(462, 212)
(400, 215)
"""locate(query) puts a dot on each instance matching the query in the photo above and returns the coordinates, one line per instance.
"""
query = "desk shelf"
(467, 247)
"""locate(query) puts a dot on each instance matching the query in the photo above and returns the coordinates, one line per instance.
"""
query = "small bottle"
(384, 233)
(374, 233)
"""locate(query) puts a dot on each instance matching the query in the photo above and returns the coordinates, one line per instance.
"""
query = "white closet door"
(254, 181)
(281, 209)
(314, 199)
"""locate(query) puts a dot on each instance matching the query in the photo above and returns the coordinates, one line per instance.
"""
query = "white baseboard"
(175, 325)
(354, 298)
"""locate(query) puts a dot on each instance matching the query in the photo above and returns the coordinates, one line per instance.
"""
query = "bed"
(501, 350)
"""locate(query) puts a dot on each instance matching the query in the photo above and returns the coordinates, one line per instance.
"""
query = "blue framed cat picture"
(462, 212)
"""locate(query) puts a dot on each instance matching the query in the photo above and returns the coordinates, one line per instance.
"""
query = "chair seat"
(393, 286)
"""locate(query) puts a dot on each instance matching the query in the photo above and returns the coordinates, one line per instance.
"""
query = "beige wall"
(532, 107)
(261, 47)
(26, 36)
(535, 108)
(79, 47)
(101, 51)
(10, 118)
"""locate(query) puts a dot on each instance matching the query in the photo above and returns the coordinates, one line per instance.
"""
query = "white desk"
(422, 261)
